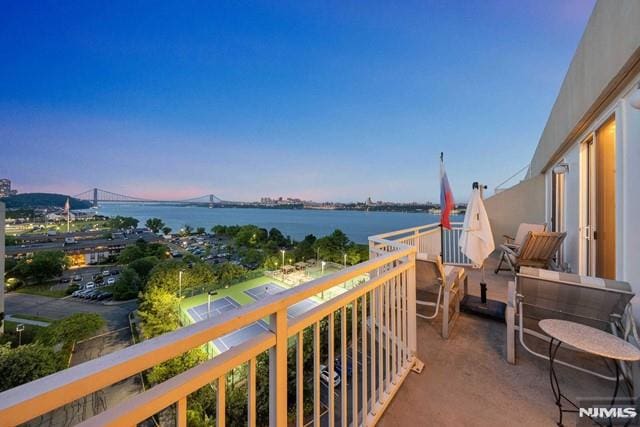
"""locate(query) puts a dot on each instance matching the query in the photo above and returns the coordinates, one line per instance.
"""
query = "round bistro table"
(589, 340)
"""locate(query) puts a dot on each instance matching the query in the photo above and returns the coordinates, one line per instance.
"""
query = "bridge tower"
(210, 201)
(95, 197)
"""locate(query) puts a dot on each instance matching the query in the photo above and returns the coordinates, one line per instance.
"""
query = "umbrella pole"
(483, 287)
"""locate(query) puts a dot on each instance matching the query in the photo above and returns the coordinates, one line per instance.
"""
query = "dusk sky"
(319, 100)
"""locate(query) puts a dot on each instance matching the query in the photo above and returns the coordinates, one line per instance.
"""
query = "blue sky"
(321, 100)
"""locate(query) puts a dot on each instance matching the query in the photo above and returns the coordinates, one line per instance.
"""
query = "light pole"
(322, 274)
(345, 260)
(283, 251)
(180, 284)
(210, 294)
(19, 329)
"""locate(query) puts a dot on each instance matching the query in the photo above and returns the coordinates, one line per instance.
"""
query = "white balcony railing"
(427, 239)
(381, 342)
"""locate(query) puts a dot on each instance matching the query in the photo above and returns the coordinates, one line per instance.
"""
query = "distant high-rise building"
(5, 188)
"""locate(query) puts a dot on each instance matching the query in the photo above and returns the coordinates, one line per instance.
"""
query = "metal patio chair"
(433, 277)
(538, 294)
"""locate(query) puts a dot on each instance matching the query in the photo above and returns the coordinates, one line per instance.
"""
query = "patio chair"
(538, 294)
(516, 242)
(538, 250)
(433, 277)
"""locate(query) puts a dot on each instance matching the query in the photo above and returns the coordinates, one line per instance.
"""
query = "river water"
(297, 223)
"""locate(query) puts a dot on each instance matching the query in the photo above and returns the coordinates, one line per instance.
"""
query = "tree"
(41, 266)
(128, 285)
(130, 254)
(305, 249)
(227, 273)
(165, 276)
(158, 312)
(276, 237)
(166, 230)
(200, 230)
(122, 222)
(187, 230)
(74, 328)
(143, 266)
(154, 224)
(26, 363)
(142, 249)
(177, 365)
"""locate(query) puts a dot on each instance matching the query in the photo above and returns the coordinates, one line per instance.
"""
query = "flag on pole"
(446, 197)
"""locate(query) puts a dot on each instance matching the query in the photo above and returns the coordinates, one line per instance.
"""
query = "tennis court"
(296, 310)
(219, 306)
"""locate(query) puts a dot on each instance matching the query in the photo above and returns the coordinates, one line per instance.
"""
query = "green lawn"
(44, 290)
(11, 335)
(60, 227)
(31, 317)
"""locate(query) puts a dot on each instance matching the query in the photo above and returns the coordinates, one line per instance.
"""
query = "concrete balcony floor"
(467, 380)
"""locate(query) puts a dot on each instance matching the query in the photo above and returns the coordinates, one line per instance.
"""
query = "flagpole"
(441, 212)
(68, 206)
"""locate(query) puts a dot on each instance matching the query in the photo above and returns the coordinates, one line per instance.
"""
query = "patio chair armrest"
(508, 239)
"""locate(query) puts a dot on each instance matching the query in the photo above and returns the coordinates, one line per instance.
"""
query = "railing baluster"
(381, 354)
(316, 374)
(372, 335)
(300, 380)
(251, 391)
(354, 363)
(181, 412)
(388, 340)
(221, 402)
(331, 367)
(278, 369)
(394, 343)
(343, 367)
(365, 371)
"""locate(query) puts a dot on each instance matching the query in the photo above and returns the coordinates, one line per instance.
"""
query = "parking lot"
(59, 308)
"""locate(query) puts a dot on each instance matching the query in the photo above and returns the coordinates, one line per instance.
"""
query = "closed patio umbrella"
(476, 242)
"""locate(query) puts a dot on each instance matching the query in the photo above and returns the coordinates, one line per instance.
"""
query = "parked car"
(106, 273)
(324, 376)
(115, 272)
(111, 281)
(77, 278)
(64, 280)
(85, 293)
(89, 285)
(76, 293)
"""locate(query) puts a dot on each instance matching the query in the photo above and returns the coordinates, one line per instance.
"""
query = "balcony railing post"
(278, 370)
(411, 305)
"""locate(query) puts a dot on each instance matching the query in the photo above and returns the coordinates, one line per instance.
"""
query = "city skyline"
(244, 101)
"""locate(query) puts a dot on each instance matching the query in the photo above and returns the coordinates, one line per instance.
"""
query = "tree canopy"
(154, 224)
(41, 266)
(122, 222)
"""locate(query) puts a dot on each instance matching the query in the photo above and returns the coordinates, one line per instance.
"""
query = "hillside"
(42, 200)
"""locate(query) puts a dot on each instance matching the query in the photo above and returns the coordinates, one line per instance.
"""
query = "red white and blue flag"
(446, 198)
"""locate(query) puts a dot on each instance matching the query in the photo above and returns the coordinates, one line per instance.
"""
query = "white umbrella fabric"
(476, 239)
